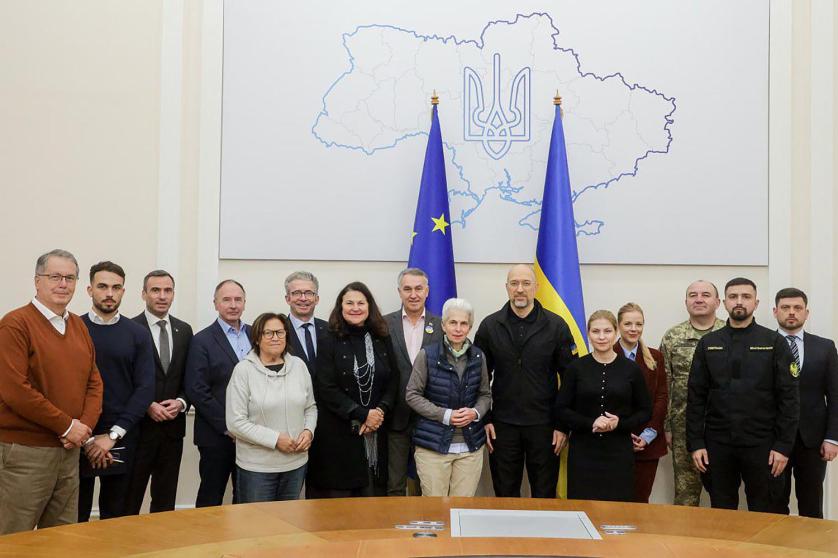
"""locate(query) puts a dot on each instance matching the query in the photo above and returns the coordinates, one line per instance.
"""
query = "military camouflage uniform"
(678, 346)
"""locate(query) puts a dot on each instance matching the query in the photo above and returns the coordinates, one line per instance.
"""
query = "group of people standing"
(344, 407)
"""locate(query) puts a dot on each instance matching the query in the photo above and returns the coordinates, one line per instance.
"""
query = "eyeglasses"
(57, 277)
(515, 284)
(271, 333)
(303, 294)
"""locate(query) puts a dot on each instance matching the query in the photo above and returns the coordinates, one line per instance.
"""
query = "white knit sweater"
(261, 404)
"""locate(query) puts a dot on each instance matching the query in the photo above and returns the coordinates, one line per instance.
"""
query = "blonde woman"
(649, 441)
(602, 400)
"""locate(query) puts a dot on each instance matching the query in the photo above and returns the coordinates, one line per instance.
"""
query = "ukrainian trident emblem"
(496, 125)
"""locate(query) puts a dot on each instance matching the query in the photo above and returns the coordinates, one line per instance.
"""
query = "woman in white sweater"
(272, 415)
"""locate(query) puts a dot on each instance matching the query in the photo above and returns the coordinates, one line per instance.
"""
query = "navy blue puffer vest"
(445, 389)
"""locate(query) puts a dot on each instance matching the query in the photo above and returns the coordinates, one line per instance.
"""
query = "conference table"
(365, 527)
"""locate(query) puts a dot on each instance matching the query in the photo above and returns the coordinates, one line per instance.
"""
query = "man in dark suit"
(301, 288)
(213, 353)
(411, 328)
(162, 429)
(816, 442)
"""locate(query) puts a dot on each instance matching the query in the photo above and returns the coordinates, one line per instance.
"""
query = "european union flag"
(556, 256)
(431, 249)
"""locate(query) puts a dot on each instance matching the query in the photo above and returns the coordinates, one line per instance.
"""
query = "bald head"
(521, 287)
(702, 299)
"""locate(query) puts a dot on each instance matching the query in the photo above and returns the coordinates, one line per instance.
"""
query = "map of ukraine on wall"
(496, 111)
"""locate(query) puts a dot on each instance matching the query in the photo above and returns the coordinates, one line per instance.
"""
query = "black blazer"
(209, 365)
(401, 412)
(818, 391)
(337, 458)
(297, 345)
(169, 385)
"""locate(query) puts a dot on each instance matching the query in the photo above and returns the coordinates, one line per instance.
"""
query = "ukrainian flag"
(556, 256)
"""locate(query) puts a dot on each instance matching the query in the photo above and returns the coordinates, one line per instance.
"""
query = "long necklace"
(365, 374)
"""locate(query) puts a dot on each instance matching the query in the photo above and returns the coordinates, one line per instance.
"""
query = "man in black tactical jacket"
(742, 406)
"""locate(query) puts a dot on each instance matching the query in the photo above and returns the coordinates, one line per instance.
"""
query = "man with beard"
(527, 347)
(742, 406)
(816, 442)
(124, 356)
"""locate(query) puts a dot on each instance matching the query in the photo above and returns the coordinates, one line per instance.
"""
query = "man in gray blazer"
(411, 328)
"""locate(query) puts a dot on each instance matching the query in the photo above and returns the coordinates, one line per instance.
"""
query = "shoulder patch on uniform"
(794, 370)
(762, 348)
(714, 348)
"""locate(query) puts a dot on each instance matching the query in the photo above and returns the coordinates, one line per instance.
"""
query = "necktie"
(793, 346)
(165, 353)
(310, 352)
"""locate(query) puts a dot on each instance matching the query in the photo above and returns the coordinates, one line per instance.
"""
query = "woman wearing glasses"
(272, 414)
(356, 385)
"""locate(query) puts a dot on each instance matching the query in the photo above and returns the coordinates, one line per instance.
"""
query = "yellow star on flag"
(440, 224)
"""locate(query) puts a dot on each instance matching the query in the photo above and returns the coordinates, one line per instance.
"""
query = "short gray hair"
(41, 263)
(460, 304)
(302, 276)
(410, 271)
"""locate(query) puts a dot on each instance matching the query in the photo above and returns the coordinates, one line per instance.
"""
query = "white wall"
(110, 143)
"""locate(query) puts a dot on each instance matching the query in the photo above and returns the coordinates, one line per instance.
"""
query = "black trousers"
(158, 458)
(398, 456)
(216, 466)
(809, 471)
(520, 446)
(113, 490)
(730, 465)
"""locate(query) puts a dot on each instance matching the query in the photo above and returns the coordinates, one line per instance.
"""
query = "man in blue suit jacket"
(213, 353)
(816, 442)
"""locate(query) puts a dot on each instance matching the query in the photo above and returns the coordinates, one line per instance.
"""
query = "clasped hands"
(375, 418)
(286, 444)
(78, 434)
(98, 451)
(462, 417)
(165, 410)
(605, 423)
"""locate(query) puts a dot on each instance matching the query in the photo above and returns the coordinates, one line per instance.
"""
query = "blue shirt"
(237, 338)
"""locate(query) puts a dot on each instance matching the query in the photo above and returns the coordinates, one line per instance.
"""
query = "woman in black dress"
(602, 399)
(355, 387)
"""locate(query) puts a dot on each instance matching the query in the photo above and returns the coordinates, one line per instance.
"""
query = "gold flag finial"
(434, 98)
(557, 100)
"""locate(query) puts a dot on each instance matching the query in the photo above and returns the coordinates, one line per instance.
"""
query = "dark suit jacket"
(818, 391)
(169, 385)
(209, 365)
(297, 345)
(401, 412)
(658, 387)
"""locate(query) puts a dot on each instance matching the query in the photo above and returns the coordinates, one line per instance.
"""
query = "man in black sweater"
(527, 348)
(742, 406)
(124, 356)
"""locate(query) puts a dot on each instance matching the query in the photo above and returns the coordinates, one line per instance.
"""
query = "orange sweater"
(46, 379)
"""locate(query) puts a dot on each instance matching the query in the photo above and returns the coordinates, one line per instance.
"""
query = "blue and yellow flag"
(556, 256)
(431, 249)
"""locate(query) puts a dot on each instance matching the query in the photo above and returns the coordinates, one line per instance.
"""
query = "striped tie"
(794, 351)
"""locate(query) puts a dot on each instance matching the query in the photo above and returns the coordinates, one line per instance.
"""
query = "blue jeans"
(269, 487)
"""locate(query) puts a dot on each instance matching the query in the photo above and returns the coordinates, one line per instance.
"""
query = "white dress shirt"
(58, 322)
(298, 324)
(798, 340)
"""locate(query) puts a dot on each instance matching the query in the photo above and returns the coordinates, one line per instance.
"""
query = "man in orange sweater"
(50, 397)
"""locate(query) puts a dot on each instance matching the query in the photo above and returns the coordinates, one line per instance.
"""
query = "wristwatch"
(113, 435)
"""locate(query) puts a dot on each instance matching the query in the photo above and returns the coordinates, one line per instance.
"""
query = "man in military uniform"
(678, 346)
(743, 406)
